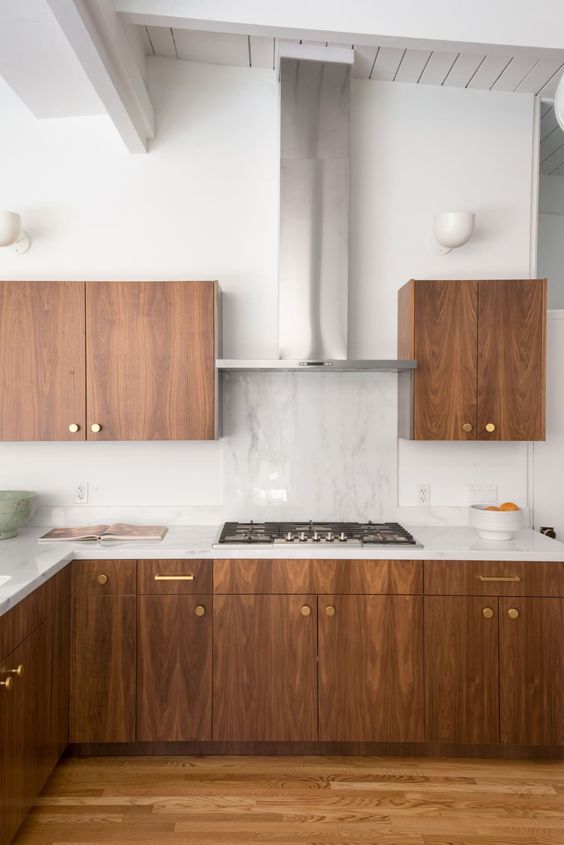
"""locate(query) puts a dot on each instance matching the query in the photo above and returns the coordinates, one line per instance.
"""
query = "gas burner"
(350, 534)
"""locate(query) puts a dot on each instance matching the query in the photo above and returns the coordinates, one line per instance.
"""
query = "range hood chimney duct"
(315, 106)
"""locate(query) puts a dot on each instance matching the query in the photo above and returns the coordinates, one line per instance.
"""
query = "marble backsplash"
(310, 445)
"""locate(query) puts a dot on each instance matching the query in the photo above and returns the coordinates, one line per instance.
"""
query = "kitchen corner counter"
(25, 564)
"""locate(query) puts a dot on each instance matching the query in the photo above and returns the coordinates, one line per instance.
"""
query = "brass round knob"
(330, 610)
(200, 610)
(95, 427)
(490, 427)
(102, 578)
(513, 613)
(19, 670)
(487, 612)
(306, 610)
(467, 427)
(8, 683)
(74, 427)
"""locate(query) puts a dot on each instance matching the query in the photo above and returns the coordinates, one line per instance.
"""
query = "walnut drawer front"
(104, 577)
(174, 577)
(494, 578)
(300, 576)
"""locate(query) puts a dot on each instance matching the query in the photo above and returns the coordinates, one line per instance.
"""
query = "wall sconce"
(11, 232)
(451, 229)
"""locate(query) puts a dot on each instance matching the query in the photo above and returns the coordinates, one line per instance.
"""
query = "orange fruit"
(509, 506)
(493, 508)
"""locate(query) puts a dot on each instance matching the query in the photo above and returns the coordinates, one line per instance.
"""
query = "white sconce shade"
(451, 229)
(11, 232)
(559, 103)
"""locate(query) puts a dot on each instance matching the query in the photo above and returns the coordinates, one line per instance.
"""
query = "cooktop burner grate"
(237, 534)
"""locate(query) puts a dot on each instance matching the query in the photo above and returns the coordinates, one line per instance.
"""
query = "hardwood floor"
(297, 800)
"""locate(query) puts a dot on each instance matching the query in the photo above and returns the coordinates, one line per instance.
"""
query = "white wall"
(203, 204)
(551, 236)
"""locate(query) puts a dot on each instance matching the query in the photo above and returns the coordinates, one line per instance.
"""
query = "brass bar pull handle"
(8, 683)
(174, 577)
(19, 670)
(514, 579)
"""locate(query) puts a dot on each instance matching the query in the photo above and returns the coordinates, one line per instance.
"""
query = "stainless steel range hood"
(314, 221)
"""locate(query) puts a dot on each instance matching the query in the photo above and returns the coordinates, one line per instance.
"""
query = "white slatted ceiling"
(413, 65)
(438, 68)
(218, 48)
(515, 72)
(462, 71)
(387, 63)
(552, 142)
(526, 73)
(489, 71)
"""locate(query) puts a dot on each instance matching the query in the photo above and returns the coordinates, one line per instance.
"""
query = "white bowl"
(495, 525)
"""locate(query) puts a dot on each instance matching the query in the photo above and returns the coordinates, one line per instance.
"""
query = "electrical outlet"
(423, 494)
(81, 493)
(482, 494)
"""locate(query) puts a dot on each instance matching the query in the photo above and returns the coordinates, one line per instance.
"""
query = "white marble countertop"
(25, 564)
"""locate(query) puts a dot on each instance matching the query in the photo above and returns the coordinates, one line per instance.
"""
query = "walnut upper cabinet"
(480, 348)
(42, 378)
(108, 360)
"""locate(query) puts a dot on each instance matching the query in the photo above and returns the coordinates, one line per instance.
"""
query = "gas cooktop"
(356, 534)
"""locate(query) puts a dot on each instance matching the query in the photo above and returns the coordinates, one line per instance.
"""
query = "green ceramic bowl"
(16, 508)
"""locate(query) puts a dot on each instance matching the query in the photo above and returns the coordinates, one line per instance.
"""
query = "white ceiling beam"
(97, 37)
(434, 24)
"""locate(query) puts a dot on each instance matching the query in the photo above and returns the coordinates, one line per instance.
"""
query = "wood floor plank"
(298, 801)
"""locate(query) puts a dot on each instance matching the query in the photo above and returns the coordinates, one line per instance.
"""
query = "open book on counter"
(117, 531)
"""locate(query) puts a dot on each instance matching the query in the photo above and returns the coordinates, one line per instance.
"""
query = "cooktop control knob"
(329, 536)
(342, 536)
(303, 536)
(316, 536)
(289, 536)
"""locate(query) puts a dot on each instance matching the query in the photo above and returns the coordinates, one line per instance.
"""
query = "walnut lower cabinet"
(494, 661)
(174, 651)
(265, 668)
(462, 669)
(34, 695)
(371, 679)
(103, 651)
(531, 633)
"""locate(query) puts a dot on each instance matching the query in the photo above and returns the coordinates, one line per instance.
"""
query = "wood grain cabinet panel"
(104, 578)
(265, 668)
(371, 686)
(25, 728)
(173, 577)
(174, 653)
(532, 671)
(42, 360)
(103, 676)
(511, 359)
(150, 351)
(480, 348)
(461, 669)
(494, 578)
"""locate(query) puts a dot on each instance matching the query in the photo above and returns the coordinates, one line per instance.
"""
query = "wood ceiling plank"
(515, 72)
(549, 89)
(548, 122)
(463, 70)
(387, 63)
(412, 66)
(554, 161)
(364, 58)
(489, 71)
(261, 51)
(438, 68)
(214, 48)
(162, 41)
(539, 76)
(146, 41)
(551, 143)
